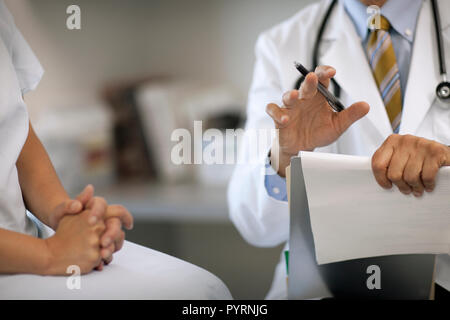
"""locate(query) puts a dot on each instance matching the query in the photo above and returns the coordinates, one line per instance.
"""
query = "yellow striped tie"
(381, 55)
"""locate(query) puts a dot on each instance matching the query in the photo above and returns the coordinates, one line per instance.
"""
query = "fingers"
(112, 240)
(113, 231)
(396, 169)
(106, 253)
(388, 165)
(325, 73)
(437, 156)
(118, 244)
(109, 260)
(344, 119)
(278, 115)
(98, 207)
(290, 98)
(86, 195)
(411, 163)
(113, 236)
(412, 174)
(308, 89)
(429, 173)
(119, 211)
(68, 207)
(73, 207)
(380, 164)
(99, 267)
(98, 228)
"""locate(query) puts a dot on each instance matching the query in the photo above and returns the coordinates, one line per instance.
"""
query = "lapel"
(346, 54)
(423, 74)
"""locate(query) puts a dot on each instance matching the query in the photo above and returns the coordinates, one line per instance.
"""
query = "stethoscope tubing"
(443, 88)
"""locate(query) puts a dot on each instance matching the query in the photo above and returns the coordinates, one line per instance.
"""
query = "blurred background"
(114, 91)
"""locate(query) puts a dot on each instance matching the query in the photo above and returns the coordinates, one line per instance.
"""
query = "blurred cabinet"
(187, 202)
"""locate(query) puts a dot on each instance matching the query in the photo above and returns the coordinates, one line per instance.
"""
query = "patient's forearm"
(20, 253)
(42, 191)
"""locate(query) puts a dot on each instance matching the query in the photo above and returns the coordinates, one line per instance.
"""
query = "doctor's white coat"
(264, 221)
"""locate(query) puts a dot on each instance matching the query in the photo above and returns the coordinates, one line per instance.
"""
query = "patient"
(88, 231)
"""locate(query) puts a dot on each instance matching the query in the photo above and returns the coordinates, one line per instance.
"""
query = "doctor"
(387, 79)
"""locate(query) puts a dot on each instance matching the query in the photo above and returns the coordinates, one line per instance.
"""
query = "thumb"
(344, 119)
(86, 195)
(64, 208)
(69, 207)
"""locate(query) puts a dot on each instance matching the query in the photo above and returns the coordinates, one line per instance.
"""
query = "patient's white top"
(20, 72)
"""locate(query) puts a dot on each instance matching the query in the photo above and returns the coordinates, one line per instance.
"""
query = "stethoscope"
(442, 89)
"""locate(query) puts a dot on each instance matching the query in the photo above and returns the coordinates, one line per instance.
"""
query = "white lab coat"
(264, 221)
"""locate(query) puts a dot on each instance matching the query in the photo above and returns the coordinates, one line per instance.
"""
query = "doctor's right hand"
(306, 121)
(75, 242)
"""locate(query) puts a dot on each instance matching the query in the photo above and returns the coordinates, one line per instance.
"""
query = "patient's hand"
(113, 237)
(71, 206)
(114, 216)
(75, 242)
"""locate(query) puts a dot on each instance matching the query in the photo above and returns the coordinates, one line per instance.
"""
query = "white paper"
(353, 217)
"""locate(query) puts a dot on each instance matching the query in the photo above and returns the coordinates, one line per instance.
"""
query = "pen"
(332, 100)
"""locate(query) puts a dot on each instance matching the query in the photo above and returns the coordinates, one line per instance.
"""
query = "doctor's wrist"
(280, 160)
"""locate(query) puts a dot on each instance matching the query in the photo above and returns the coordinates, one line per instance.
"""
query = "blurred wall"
(200, 39)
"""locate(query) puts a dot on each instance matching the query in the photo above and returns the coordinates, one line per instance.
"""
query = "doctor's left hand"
(409, 162)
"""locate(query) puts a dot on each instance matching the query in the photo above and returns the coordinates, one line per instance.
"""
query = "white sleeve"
(28, 69)
(261, 219)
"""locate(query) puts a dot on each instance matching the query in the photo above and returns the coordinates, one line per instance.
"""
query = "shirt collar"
(403, 20)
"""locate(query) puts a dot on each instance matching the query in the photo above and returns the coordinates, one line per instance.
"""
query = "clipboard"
(408, 276)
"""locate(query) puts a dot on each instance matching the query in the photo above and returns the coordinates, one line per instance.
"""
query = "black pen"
(332, 100)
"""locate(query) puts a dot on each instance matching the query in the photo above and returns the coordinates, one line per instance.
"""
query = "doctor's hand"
(409, 162)
(307, 121)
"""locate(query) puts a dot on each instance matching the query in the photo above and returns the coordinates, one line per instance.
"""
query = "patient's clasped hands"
(88, 232)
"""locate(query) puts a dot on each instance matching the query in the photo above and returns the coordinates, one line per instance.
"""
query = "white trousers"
(136, 272)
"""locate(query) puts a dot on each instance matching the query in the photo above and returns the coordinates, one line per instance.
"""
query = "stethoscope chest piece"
(443, 90)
